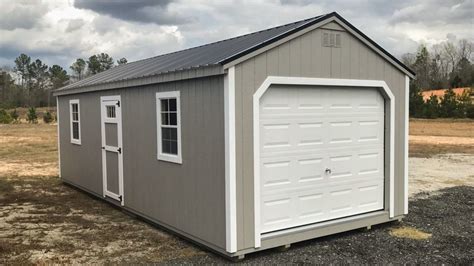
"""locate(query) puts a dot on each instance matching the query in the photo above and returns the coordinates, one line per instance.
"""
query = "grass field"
(45, 221)
(40, 111)
(440, 136)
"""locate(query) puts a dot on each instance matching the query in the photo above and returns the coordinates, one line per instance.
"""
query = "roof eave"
(200, 71)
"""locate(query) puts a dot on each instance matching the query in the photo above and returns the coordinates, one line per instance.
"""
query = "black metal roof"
(217, 53)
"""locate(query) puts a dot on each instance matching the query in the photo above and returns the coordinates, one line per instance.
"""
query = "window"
(110, 111)
(169, 126)
(74, 110)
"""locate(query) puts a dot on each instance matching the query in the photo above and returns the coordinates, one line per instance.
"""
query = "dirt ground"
(45, 221)
(429, 137)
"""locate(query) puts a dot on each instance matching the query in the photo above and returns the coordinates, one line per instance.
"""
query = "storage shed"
(249, 143)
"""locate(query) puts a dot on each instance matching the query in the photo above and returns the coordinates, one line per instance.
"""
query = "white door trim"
(230, 160)
(108, 148)
(322, 82)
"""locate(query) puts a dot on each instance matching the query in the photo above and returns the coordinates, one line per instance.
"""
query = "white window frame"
(71, 102)
(165, 156)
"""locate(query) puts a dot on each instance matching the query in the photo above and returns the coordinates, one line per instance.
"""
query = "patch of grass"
(40, 112)
(28, 143)
(429, 150)
(409, 232)
(442, 127)
(461, 128)
(5, 187)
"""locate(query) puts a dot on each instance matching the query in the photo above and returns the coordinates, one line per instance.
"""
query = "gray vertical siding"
(189, 197)
(304, 56)
(81, 164)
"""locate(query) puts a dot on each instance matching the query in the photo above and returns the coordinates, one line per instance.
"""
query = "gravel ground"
(443, 215)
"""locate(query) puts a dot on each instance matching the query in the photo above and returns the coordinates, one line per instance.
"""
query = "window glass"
(169, 122)
(164, 119)
(173, 119)
(75, 130)
(110, 111)
(172, 105)
(164, 105)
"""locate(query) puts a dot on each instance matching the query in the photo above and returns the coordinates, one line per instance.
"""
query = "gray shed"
(249, 143)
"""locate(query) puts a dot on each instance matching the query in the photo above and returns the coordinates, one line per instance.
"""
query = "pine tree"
(449, 104)
(431, 107)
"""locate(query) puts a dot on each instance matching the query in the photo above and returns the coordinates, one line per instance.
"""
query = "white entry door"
(321, 154)
(112, 153)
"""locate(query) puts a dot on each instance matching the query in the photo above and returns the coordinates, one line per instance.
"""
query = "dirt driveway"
(44, 221)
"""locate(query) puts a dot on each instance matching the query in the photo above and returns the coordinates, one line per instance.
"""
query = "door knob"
(328, 171)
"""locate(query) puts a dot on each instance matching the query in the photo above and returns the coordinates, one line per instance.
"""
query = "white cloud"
(75, 24)
(21, 15)
(58, 32)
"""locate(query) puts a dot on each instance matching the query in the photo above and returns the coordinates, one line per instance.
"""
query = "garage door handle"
(328, 171)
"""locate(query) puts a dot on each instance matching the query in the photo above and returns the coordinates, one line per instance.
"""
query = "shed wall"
(189, 197)
(304, 56)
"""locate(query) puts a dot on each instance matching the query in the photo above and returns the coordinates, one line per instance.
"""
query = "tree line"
(31, 82)
(444, 66)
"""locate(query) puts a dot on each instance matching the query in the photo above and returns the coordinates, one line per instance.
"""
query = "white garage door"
(321, 154)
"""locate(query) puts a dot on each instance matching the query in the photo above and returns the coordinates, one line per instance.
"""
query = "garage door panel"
(369, 129)
(323, 182)
(309, 101)
(278, 103)
(309, 170)
(273, 216)
(286, 172)
(321, 204)
(275, 135)
(309, 134)
(370, 163)
(369, 101)
(340, 131)
(276, 173)
(321, 154)
(290, 134)
(295, 134)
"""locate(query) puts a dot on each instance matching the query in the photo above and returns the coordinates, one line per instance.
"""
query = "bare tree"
(78, 68)
(464, 49)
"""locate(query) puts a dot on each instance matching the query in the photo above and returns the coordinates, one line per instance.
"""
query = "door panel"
(112, 172)
(111, 134)
(321, 154)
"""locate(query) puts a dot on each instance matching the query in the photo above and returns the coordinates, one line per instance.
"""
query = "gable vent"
(331, 39)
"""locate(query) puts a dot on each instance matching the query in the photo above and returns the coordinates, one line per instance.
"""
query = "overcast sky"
(59, 31)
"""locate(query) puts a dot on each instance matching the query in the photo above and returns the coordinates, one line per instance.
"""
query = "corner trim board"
(321, 82)
(59, 138)
(406, 136)
(230, 162)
